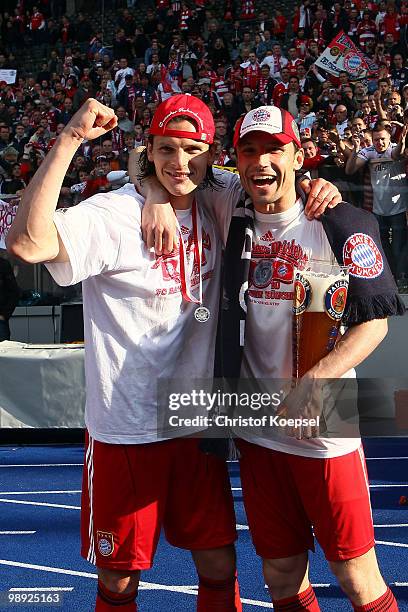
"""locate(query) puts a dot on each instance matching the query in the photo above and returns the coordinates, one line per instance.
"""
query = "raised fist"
(92, 120)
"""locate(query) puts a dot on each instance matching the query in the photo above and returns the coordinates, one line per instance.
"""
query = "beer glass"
(320, 293)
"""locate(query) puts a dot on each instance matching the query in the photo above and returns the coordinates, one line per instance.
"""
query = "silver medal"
(202, 314)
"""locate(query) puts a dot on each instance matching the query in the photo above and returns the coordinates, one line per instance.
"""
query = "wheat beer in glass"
(320, 293)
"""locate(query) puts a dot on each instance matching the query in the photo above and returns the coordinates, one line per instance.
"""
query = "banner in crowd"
(9, 76)
(341, 54)
(7, 214)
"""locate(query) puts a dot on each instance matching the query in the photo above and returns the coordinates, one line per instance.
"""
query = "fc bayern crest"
(353, 63)
(362, 256)
(262, 274)
(303, 294)
(335, 299)
(106, 545)
(261, 115)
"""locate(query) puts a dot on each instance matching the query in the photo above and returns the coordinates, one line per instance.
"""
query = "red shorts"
(287, 497)
(130, 491)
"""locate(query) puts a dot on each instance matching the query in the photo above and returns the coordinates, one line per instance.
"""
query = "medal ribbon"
(185, 279)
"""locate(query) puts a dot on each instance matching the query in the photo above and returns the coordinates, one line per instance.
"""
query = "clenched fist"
(92, 120)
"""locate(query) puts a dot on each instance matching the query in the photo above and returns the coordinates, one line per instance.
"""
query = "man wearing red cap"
(146, 318)
(295, 481)
(293, 484)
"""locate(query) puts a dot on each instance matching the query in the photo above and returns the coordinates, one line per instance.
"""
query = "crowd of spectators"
(235, 60)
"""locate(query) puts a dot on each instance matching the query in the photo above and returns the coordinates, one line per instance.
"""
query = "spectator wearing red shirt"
(251, 72)
(52, 115)
(281, 88)
(37, 26)
(280, 23)
(66, 33)
(235, 78)
(97, 181)
(206, 72)
(266, 86)
(220, 85)
(366, 30)
(403, 19)
(300, 43)
(184, 16)
(71, 87)
(293, 60)
(312, 157)
(247, 9)
(366, 5)
(390, 24)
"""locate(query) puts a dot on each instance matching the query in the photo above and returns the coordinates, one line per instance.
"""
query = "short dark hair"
(307, 139)
(381, 126)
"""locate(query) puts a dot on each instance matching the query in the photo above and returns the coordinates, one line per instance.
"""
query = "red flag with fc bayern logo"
(282, 271)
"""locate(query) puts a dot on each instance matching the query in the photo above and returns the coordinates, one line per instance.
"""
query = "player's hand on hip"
(321, 194)
(91, 121)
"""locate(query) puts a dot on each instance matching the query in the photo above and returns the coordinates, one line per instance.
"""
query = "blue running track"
(39, 536)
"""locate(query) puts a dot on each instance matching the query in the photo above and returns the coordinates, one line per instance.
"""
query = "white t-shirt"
(274, 66)
(138, 328)
(120, 75)
(340, 127)
(388, 180)
(221, 202)
(286, 239)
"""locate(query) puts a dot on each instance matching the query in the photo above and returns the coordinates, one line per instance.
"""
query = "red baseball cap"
(306, 100)
(184, 105)
(269, 119)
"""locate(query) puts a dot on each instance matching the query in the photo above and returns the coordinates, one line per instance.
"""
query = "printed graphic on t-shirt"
(272, 269)
(169, 264)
